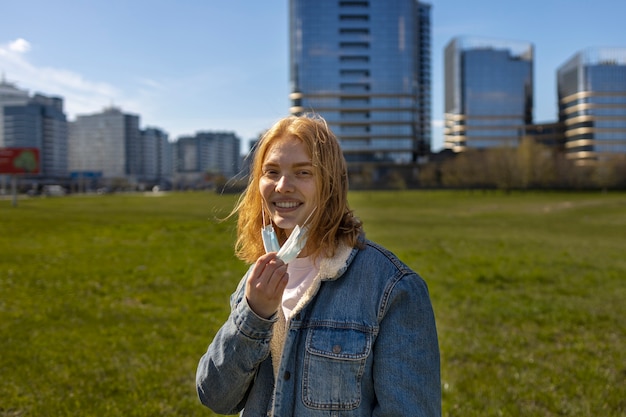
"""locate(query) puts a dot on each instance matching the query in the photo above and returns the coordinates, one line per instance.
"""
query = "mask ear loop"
(309, 217)
(263, 214)
(268, 235)
(270, 223)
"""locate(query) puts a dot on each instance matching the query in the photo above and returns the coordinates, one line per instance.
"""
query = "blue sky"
(191, 65)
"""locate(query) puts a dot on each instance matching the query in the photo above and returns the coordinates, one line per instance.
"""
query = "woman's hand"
(265, 286)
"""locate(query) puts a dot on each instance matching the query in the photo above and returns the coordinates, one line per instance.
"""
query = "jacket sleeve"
(406, 362)
(227, 370)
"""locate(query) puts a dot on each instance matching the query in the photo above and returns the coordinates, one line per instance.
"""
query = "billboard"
(19, 161)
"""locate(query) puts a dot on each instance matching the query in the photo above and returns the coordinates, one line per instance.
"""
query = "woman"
(344, 329)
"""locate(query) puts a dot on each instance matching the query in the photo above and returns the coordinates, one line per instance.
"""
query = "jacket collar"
(331, 269)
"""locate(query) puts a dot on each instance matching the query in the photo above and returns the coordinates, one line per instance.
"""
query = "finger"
(282, 283)
(272, 281)
(264, 289)
(261, 265)
(278, 280)
(266, 275)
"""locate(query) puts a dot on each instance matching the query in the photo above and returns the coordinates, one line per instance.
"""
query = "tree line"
(528, 166)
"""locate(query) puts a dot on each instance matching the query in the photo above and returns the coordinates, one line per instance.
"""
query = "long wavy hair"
(332, 223)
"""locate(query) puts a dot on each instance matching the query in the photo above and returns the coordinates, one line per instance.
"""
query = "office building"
(10, 95)
(488, 93)
(592, 104)
(548, 134)
(213, 153)
(105, 144)
(54, 135)
(157, 156)
(365, 67)
(38, 122)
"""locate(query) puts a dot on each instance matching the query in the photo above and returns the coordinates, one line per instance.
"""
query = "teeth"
(287, 204)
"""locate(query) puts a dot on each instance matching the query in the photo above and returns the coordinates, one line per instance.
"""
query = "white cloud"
(19, 45)
(200, 100)
(146, 97)
(80, 94)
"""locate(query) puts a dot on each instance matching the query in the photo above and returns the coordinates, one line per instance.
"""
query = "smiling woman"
(345, 327)
(288, 185)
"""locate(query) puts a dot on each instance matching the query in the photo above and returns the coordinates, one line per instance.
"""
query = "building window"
(353, 4)
(354, 73)
(354, 45)
(354, 87)
(354, 31)
(354, 17)
(354, 58)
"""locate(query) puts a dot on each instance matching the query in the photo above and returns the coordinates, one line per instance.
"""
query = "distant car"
(53, 190)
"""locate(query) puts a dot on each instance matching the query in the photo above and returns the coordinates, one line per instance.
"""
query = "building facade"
(39, 122)
(100, 144)
(208, 153)
(157, 157)
(592, 104)
(10, 95)
(488, 93)
(365, 67)
(54, 135)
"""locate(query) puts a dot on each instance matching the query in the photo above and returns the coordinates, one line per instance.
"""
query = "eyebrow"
(295, 165)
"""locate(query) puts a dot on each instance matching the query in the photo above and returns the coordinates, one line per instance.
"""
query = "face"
(287, 183)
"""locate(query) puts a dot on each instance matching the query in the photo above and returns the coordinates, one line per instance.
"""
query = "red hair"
(333, 222)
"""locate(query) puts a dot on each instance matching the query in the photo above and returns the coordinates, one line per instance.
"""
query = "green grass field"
(107, 302)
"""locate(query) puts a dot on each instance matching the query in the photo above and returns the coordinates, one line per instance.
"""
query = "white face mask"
(293, 245)
(270, 240)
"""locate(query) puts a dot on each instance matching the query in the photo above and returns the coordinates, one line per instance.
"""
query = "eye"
(304, 173)
(270, 172)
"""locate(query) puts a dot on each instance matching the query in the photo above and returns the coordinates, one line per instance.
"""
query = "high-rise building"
(54, 135)
(488, 92)
(365, 67)
(592, 104)
(157, 155)
(37, 122)
(103, 144)
(10, 95)
(214, 153)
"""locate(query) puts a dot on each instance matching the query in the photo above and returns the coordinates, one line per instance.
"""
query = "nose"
(284, 185)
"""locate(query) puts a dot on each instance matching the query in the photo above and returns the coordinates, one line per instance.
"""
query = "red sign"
(19, 161)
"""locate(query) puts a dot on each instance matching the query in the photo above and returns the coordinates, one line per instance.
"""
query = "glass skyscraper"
(39, 122)
(488, 93)
(365, 67)
(592, 104)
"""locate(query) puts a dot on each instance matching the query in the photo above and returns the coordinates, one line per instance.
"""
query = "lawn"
(107, 302)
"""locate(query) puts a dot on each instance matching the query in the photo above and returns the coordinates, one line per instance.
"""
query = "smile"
(286, 204)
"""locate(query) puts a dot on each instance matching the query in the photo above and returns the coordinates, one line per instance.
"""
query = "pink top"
(301, 273)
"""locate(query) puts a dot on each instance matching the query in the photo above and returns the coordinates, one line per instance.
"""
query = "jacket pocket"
(333, 366)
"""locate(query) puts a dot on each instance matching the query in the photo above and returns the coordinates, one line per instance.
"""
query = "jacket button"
(287, 375)
(336, 349)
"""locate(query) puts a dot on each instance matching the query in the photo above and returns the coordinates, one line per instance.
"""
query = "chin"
(287, 226)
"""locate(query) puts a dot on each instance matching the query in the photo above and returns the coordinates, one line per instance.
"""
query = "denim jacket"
(362, 342)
